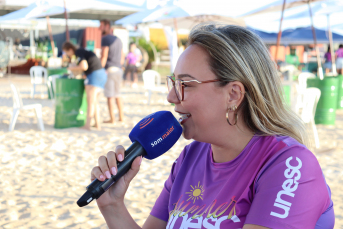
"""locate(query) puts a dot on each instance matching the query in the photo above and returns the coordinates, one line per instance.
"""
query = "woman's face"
(205, 104)
(69, 52)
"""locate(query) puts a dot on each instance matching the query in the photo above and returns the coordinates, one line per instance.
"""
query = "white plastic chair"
(311, 98)
(152, 82)
(52, 79)
(301, 88)
(18, 105)
(39, 76)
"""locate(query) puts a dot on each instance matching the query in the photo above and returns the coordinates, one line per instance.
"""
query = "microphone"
(151, 137)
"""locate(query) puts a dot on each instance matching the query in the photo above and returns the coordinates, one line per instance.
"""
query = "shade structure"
(299, 36)
(44, 8)
(276, 6)
(186, 15)
(190, 21)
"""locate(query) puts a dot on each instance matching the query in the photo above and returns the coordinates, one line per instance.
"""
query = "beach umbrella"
(326, 8)
(185, 13)
(287, 4)
(46, 8)
(182, 14)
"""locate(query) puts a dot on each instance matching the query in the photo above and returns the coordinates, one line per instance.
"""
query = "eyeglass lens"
(178, 87)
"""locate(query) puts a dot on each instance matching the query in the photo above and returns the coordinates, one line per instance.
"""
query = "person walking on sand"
(112, 58)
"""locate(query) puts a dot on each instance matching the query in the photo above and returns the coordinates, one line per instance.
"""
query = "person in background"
(89, 63)
(112, 59)
(248, 166)
(339, 59)
(328, 60)
(132, 59)
(292, 58)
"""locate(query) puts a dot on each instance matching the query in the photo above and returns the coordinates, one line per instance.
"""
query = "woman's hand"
(107, 166)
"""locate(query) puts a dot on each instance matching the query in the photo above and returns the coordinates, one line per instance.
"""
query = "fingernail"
(120, 157)
(114, 170)
(108, 175)
(140, 160)
(101, 177)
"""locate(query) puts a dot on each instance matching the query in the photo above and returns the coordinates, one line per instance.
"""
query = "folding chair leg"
(33, 90)
(40, 123)
(149, 96)
(49, 91)
(13, 118)
(315, 133)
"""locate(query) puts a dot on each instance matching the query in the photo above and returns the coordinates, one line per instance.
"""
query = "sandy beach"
(43, 173)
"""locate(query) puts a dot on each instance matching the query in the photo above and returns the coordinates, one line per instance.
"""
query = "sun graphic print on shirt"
(196, 192)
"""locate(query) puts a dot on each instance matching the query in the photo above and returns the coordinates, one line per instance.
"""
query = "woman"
(248, 166)
(131, 70)
(90, 64)
(328, 60)
(339, 59)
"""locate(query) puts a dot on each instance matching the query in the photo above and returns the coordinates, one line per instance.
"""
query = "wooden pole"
(320, 69)
(333, 58)
(280, 31)
(177, 35)
(51, 37)
(66, 17)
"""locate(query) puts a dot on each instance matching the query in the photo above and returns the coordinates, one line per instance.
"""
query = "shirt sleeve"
(104, 42)
(160, 209)
(80, 55)
(290, 191)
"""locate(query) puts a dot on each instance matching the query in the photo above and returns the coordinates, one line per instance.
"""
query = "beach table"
(70, 103)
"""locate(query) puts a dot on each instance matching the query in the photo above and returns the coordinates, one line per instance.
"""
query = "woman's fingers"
(112, 162)
(104, 167)
(120, 153)
(97, 174)
(134, 170)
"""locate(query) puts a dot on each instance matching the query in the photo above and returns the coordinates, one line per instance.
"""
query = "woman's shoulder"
(280, 149)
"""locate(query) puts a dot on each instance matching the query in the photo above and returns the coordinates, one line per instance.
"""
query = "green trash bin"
(71, 103)
(55, 71)
(327, 104)
(340, 92)
(287, 93)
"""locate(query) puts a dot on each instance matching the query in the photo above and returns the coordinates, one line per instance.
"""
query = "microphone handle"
(97, 187)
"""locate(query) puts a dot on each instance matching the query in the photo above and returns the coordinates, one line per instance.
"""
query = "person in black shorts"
(90, 64)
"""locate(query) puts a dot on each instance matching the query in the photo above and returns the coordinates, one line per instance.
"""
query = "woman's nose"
(172, 97)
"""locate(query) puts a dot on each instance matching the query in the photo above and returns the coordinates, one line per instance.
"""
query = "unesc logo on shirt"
(288, 187)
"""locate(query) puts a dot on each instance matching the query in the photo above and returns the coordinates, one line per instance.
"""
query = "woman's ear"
(236, 93)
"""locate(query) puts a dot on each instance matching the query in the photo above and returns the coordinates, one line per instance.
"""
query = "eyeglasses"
(179, 85)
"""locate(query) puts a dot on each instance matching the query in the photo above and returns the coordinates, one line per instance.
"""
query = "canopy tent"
(324, 9)
(299, 36)
(282, 5)
(181, 15)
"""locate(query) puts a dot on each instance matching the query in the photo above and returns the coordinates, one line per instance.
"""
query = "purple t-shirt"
(132, 58)
(274, 182)
(327, 57)
(339, 53)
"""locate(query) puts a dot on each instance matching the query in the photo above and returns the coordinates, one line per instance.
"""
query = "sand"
(44, 173)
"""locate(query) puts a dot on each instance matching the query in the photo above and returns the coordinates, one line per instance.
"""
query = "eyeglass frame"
(182, 85)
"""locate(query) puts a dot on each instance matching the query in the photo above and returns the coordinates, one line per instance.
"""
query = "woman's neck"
(232, 145)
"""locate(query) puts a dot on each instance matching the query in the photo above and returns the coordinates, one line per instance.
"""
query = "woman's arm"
(82, 66)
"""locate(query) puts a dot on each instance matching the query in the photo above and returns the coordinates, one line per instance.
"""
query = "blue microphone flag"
(157, 133)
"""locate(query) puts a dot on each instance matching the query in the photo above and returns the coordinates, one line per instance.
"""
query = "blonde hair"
(237, 54)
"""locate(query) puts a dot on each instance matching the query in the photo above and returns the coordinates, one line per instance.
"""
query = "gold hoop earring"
(233, 108)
